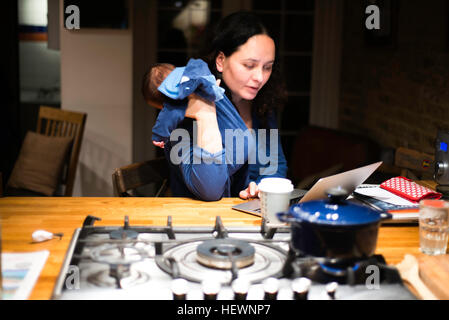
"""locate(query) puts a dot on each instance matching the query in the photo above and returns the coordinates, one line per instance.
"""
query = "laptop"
(348, 180)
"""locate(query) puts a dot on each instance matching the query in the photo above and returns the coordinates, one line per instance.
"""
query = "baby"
(150, 84)
(164, 87)
(152, 80)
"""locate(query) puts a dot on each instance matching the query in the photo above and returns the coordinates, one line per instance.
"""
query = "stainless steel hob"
(195, 263)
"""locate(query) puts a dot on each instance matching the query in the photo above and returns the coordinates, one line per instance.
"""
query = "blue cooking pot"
(334, 227)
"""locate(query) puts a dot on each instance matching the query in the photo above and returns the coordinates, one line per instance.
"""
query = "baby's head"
(152, 79)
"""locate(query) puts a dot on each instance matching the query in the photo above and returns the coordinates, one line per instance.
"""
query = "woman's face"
(247, 70)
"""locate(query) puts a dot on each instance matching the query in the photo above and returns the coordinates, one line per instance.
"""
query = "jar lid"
(334, 211)
(275, 185)
(434, 203)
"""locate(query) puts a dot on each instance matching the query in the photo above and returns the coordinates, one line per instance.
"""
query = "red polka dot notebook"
(409, 190)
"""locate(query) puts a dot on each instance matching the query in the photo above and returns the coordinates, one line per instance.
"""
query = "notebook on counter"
(403, 210)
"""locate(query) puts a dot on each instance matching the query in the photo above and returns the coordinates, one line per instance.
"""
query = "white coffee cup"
(274, 194)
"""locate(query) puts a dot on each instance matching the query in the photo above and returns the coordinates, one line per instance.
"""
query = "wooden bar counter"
(20, 217)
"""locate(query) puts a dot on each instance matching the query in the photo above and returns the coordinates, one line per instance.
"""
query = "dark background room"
(354, 95)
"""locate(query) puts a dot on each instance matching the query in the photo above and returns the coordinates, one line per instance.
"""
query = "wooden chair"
(63, 123)
(136, 175)
(55, 122)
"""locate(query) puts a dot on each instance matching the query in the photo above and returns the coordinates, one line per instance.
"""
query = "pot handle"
(285, 217)
(385, 215)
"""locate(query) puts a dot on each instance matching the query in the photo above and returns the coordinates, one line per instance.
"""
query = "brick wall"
(397, 95)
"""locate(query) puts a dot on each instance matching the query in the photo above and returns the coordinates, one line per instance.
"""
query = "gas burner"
(117, 254)
(182, 261)
(343, 271)
(118, 277)
(119, 258)
(336, 270)
(224, 253)
(124, 233)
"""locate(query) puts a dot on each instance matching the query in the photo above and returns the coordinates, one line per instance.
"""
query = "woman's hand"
(251, 192)
(199, 108)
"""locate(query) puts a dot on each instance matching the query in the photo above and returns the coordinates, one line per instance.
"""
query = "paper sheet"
(381, 194)
(20, 272)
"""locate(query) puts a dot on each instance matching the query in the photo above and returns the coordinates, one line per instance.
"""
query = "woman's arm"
(204, 112)
(202, 166)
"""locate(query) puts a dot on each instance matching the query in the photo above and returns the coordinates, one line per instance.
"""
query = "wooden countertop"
(21, 216)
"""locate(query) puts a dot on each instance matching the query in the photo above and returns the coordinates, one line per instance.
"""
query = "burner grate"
(181, 261)
(225, 253)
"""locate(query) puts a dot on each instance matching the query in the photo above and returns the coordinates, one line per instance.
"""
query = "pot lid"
(334, 210)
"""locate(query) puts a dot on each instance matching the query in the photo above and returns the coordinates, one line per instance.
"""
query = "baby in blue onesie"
(166, 86)
(150, 84)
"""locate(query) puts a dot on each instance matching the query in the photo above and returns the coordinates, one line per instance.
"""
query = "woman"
(242, 56)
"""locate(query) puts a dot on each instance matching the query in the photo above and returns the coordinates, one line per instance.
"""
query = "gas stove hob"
(195, 263)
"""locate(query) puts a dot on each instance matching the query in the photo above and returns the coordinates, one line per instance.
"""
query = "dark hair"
(152, 79)
(232, 32)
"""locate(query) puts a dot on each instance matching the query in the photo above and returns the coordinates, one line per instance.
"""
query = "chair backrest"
(63, 123)
(140, 174)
